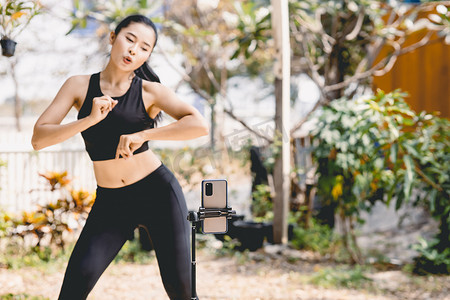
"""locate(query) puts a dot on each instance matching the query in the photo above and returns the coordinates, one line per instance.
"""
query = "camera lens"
(209, 189)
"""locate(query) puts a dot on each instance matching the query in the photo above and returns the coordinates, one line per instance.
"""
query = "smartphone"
(215, 195)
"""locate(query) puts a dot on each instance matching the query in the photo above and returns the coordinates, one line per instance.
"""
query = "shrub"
(262, 206)
(52, 220)
(317, 237)
(377, 149)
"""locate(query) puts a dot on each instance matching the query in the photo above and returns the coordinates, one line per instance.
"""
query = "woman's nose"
(132, 50)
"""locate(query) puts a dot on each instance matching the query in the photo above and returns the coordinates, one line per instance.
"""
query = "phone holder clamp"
(205, 213)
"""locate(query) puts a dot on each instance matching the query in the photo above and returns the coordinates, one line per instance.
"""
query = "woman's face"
(132, 46)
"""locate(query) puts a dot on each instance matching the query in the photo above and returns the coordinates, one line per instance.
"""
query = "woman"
(117, 112)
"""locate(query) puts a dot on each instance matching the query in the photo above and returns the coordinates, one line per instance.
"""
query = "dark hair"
(145, 71)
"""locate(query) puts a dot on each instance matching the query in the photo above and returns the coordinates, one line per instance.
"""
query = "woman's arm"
(190, 123)
(48, 129)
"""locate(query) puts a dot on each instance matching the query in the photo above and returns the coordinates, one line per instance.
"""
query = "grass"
(326, 275)
(342, 277)
(132, 252)
(21, 297)
(14, 256)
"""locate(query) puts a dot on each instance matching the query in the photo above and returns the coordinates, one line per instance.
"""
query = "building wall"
(424, 74)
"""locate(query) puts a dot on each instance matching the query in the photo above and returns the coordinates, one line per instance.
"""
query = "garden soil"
(269, 273)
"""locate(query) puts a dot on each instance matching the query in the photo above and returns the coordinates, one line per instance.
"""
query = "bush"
(318, 238)
(51, 220)
(430, 259)
(377, 149)
(262, 206)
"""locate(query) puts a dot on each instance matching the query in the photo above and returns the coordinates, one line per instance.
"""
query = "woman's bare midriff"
(115, 173)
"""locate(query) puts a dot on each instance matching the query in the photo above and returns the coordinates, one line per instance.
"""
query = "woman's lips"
(127, 61)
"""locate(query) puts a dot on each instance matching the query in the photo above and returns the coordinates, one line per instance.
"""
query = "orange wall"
(424, 74)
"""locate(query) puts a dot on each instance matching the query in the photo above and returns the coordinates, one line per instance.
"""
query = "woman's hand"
(101, 106)
(128, 143)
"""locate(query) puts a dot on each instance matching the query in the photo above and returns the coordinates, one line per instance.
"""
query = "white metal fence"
(21, 187)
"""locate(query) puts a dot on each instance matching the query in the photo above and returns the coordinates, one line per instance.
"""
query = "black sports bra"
(128, 116)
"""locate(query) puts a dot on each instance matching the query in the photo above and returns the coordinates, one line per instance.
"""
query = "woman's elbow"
(35, 143)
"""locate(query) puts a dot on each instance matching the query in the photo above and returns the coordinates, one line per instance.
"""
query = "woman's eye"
(129, 39)
(144, 49)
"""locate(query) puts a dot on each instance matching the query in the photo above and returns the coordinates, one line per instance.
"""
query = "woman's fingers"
(111, 102)
(101, 106)
(108, 102)
(124, 147)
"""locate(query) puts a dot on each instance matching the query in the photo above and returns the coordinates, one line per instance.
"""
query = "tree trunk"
(213, 126)
(17, 100)
(280, 27)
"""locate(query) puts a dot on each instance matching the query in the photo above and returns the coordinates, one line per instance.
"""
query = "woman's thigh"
(102, 237)
(164, 214)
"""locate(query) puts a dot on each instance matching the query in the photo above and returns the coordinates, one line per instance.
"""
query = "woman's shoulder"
(78, 80)
(152, 86)
(153, 89)
(78, 85)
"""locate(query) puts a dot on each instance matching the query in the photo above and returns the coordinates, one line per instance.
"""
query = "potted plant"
(14, 17)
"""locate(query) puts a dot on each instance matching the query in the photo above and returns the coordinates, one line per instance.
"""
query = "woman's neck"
(116, 77)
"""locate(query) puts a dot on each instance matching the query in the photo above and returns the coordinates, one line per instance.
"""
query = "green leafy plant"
(262, 206)
(108, 13)
(339, 42)
(5, 224)
(377, 149)
(431, 260)
(317, 237)
(14, 255)
(228, 247)
(53, 219)
(16, 15)
(353, 278)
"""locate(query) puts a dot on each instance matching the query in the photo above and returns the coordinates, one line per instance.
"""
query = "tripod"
(195, 217)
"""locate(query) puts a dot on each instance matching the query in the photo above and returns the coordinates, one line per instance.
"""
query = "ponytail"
(146, 72)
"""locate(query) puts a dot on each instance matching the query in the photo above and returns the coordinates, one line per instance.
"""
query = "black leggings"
(156, 202)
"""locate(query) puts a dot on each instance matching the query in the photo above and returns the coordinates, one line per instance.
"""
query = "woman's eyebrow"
(136, 37)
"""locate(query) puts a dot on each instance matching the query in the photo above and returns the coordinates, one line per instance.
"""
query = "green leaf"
(399, 202)
(432, 200)
(409, 176)
(412, 150)
(143, 4)
(394, 153)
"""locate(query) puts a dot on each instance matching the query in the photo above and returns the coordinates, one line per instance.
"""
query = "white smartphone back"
(215, 195)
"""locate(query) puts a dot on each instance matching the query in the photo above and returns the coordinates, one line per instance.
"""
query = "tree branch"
(208, 98)
(231, 114)
(354, 33)
(315, 76)
(305, 118)
(386, 62)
